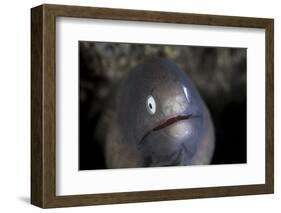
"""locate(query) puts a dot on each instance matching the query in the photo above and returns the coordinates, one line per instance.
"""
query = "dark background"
(219, 74)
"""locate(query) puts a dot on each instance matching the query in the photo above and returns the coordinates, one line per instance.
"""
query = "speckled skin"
(133, 139)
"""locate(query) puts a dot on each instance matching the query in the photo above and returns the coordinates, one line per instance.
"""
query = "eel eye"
(150, 105)
(186, 93)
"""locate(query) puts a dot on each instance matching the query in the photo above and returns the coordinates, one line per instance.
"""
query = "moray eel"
(159, 120)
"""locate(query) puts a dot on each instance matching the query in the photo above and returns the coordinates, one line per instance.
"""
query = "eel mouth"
(171, 121)
(168, 122)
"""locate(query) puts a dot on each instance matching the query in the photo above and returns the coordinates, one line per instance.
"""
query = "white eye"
(151, 105)
(186, 93)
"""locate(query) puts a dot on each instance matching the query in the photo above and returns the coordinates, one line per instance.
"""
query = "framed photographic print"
(135, 106)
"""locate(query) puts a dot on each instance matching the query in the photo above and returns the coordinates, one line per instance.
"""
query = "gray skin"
(175, 131)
